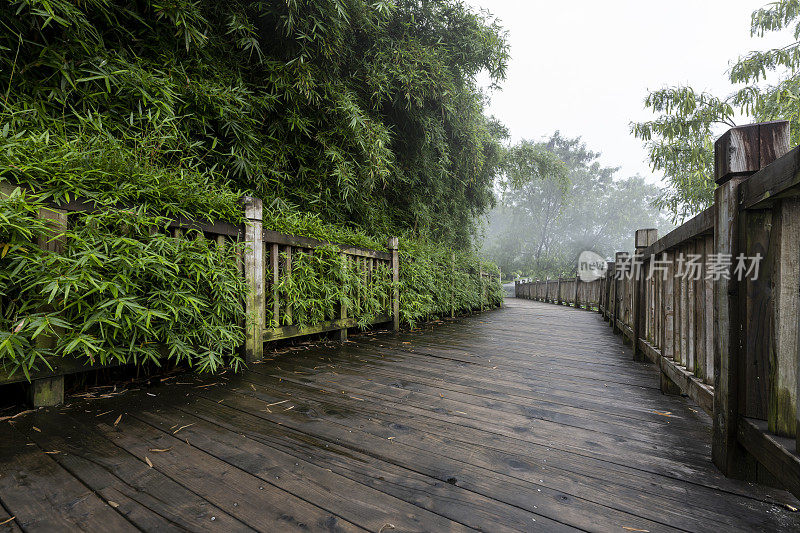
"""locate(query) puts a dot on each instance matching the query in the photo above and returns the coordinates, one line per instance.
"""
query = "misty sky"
(584, 66)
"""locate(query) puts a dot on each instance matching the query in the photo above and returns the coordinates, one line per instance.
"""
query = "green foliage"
(557, 201)
(104, 172)
(352, 119)
(120, 291)
(322, 281)
(680, 138)
(431, 282)
(361, 112)
(293, 222)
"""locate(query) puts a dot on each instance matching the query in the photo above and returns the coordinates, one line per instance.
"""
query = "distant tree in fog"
(556, 200)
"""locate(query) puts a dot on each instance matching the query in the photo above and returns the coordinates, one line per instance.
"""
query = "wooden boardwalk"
(529, 418)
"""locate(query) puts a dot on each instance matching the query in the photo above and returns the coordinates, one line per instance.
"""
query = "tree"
(365, 112)
(555, 201)
(680, 138)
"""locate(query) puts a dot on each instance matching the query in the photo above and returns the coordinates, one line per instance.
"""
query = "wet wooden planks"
(532, 417)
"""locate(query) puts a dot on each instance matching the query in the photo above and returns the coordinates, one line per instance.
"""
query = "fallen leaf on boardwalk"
(634, 529)
(667, 414)
(385, 526)
(103, 413)
(53, 452)
(118, 420)
(182, 427)
(252, 386)
(113, 504)
(276, 403)
(357, 398)
(159, 450)
(792, 508)
(289, 408)
(7, 521)
(36, 429)
(390, 438)
(147, 460)
(16, 415)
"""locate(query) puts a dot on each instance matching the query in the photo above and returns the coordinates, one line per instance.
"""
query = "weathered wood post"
(393, 247)
(48, 392)
(558, 292)
(609, 279)
(577, 292)
(620, 260)
(784, 372)
(453, 285)
(343, 302)
(668, 333)
(642, 239)
(739, 153)
(45, 392)
(254, 274)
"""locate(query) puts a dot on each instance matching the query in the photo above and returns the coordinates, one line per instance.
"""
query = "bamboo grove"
(353, 120)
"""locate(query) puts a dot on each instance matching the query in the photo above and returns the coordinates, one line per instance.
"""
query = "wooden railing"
(563, 291)
(268, 264)
(47, 384)
(728, 341)
(269, 260)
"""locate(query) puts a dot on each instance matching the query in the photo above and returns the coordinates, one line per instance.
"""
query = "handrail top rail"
(779, 179)
(276, 237)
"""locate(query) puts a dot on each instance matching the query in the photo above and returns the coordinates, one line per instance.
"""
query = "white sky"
(585, 66)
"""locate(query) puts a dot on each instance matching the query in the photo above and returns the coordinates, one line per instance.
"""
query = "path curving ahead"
(528, 418)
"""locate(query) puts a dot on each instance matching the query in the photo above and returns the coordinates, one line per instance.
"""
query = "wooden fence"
(563, 291)
(715, 304)
(267, 265)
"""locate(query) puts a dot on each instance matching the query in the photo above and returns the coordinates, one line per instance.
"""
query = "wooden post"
(254, 274)
(343, 303)
(620, 259)
(453, 285)
(558, 292)
(577, 292)
(393, 248)
(737, 154)
(47, 392)
(609, 283)
(642, 239)
(668, 332)
(785, 261)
